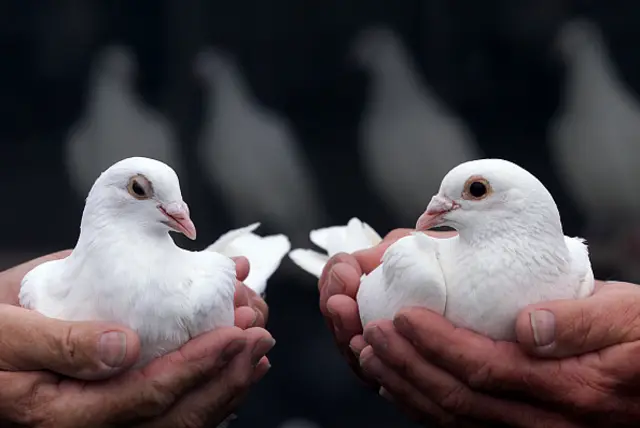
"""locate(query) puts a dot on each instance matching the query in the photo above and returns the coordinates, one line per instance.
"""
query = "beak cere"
(178, 218)
(433, 216)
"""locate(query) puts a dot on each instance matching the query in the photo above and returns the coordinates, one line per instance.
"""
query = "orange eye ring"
(140, 187)
(476, 188)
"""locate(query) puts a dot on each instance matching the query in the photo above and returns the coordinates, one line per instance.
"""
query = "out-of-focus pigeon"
(356, 235)
(116, 124)
(595, 144)
(251, 155)
(408, 137)
(510, 252)
(126, 268)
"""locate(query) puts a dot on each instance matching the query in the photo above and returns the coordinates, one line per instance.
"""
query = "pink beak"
(178, 218)
(434, 215)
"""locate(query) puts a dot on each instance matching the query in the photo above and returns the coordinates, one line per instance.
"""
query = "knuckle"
(157, 398)
(454, 399)
(481, 376)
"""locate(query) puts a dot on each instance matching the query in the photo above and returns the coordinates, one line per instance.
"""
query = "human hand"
(577, 368)
(202, 381)
(251, 309)
(338, 286)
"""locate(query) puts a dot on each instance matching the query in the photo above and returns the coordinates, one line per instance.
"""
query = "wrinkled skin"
(585, 374)
(196, 386)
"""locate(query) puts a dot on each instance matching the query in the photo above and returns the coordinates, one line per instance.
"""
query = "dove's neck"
(529, 230)
(396, 81)
(591, 77)
(109, 96)
(104, 232)
(229, 89)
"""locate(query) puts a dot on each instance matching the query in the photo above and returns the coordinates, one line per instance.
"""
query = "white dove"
(409, 138)
(263, 252)
(356, 235)
(510, 252)
(126, 268)
(595, 136)
(116, 124)
(250, 154)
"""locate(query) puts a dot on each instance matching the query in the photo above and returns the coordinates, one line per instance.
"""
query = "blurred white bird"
(298, 423)
(510, 252)
(595, 144)
(250, 154)
(356, 235)
(125, 267)
(409, 139)
(595, 135)
(116, 123)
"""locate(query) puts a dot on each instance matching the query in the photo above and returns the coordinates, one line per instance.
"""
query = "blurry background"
(303, 114)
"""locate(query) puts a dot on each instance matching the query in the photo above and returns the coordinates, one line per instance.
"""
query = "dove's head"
(141, 194)
(491, 195)
(116, 63)
(374, 46)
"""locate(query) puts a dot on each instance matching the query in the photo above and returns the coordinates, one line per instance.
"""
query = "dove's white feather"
(125, 267)
(510, 252)
(263, 252)
(409, 275)
(356, 235)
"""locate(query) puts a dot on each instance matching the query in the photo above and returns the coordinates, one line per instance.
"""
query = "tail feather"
(309, 260)
(356, 235)
(264, 253)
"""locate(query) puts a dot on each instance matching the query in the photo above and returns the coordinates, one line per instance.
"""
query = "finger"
(84, 350)
(12, 277)
(357, 344)
(334, 282)
(241, 295)
(564, 328)
(242, 267)
(245, 317)
(149, 392)
(259, 305)
(404, 394)
(345, 316)
(443, 389)
(212, 402)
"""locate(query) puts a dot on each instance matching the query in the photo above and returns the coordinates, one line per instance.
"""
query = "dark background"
(490, 61)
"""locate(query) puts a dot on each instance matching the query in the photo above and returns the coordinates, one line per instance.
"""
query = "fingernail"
(355, 351)
(543, 325)
(232, 349)
(263, 346)
(385, 394)
(336, 286)
(113, 348)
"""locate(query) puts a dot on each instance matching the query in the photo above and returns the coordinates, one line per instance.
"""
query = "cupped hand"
(338, 288)
(194, 386)
(576, 365)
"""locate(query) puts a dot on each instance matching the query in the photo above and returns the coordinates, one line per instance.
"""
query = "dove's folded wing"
(41, 287)
(211, 289)
(581, 265)
(410, 275)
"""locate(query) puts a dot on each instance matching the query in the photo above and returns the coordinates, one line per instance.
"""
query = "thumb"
(564, 328)
(83, 350)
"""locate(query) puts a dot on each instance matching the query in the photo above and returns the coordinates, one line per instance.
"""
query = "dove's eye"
(139, 187)
(476, 188)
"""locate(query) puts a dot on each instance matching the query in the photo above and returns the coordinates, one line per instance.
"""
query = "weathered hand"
(197, 385)
(458, 377)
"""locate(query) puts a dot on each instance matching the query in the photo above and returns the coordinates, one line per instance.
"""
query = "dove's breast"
(488, 287)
